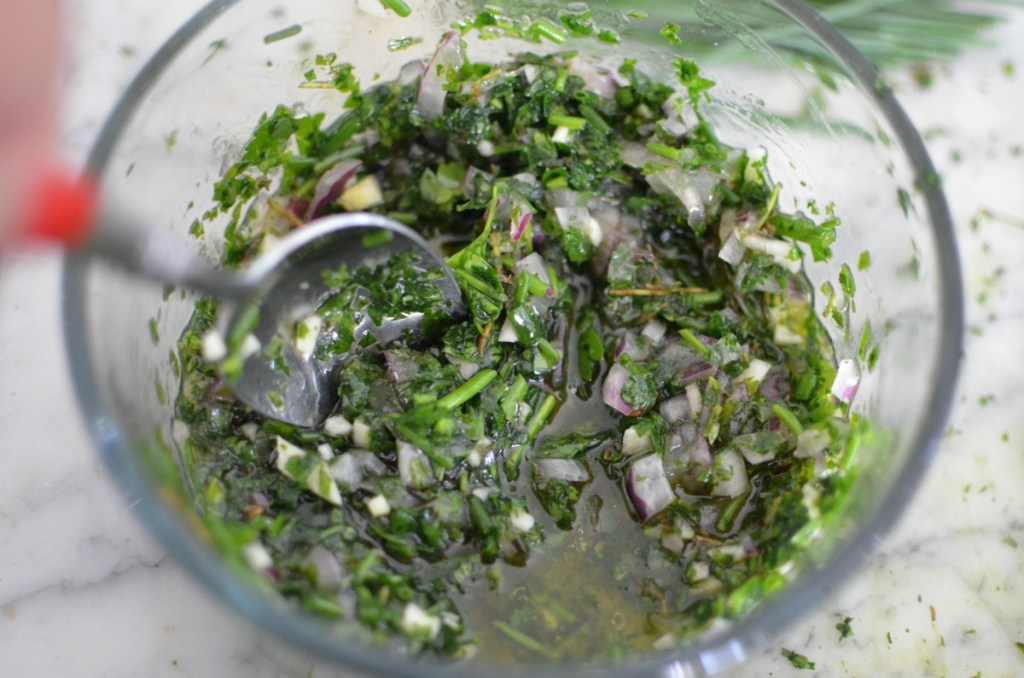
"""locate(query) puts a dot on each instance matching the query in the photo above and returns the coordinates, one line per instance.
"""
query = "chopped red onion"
(759, 446)
(595, 79)
(755, 372)
(847, 380)
(564, 470)
(778, 250)
(331, 185)
(562, 197)
(410, 72)
(534, 263)
(697, 371)
(611, 389)
(654, 330)
(674, 181)
(634, 444)
(680, 115)
(730, 474)
(775, 386)
(694, 398)
(519, 228)
(431, 94)
(466, 368)
(329, 571)
(414, 467)
(648, 486)
(401, 366)
(635, 347)
(637, 155)
(811, 442)
(732, 249)
(508, 335)
(351, 467)
(675, 409)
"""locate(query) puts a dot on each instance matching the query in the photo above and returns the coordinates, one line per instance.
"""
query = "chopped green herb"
(844, 628)
(282, 34)
(609, 362)
(798, 660)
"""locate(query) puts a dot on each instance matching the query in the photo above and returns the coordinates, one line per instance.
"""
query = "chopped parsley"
(638, 331)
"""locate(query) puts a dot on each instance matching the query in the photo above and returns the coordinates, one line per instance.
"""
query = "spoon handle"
(65, 210)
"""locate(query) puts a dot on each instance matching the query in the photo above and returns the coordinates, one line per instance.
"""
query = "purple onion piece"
(520, 228)
(730, 474)
(637, 348)
(330, 186)
(329, 572)
(401, 366)
(611, 390)
(414, 467)
(648, 487)
(775, 386)
(431, 94)
(675, 409)
(696, 372)
(847, 381)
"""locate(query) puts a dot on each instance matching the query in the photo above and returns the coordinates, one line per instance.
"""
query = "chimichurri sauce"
(628, 436)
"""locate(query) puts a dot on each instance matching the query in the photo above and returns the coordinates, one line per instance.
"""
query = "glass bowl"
(787, 82)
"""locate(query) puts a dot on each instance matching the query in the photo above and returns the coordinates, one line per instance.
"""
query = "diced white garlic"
(634, 444)
(337, 425)
(307, 331)
(378, 505)
(250, 346)
(257, 557)
(361, 434)
(417, 620)
(213, 347)
(755, 372)
(249, 430)
(521, 521)
(362, 195)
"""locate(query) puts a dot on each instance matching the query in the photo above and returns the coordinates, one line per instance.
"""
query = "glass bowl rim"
(744, 635)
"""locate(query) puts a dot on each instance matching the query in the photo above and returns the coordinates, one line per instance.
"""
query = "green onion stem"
(467, 390)
(787, 418)
(694, 341)
(540, 417)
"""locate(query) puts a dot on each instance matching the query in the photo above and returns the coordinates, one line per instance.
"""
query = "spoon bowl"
(287, 284)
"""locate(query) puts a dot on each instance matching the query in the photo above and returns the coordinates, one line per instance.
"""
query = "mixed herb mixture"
(627, 437)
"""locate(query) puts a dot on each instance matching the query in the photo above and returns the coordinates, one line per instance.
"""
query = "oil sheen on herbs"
(626, 438)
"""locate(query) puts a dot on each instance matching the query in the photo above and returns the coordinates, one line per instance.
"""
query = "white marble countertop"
(85, 592)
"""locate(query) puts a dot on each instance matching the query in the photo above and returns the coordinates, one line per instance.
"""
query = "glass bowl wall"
(833, 135)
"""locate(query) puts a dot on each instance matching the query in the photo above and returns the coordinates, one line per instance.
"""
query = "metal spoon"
(284, 286)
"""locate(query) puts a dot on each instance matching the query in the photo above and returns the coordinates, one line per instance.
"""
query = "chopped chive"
(551, 354)
(246, 323)
(595, 119)
(540, 417)
(467, 390)
(571, 122)
(728, 516)
(805, 386)
(665, 150)
(526, 641)
(694, 341)
(546, 29)
(397, 6)
(787, 418)
(377, 238)
(282, 34)
(515, 394)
